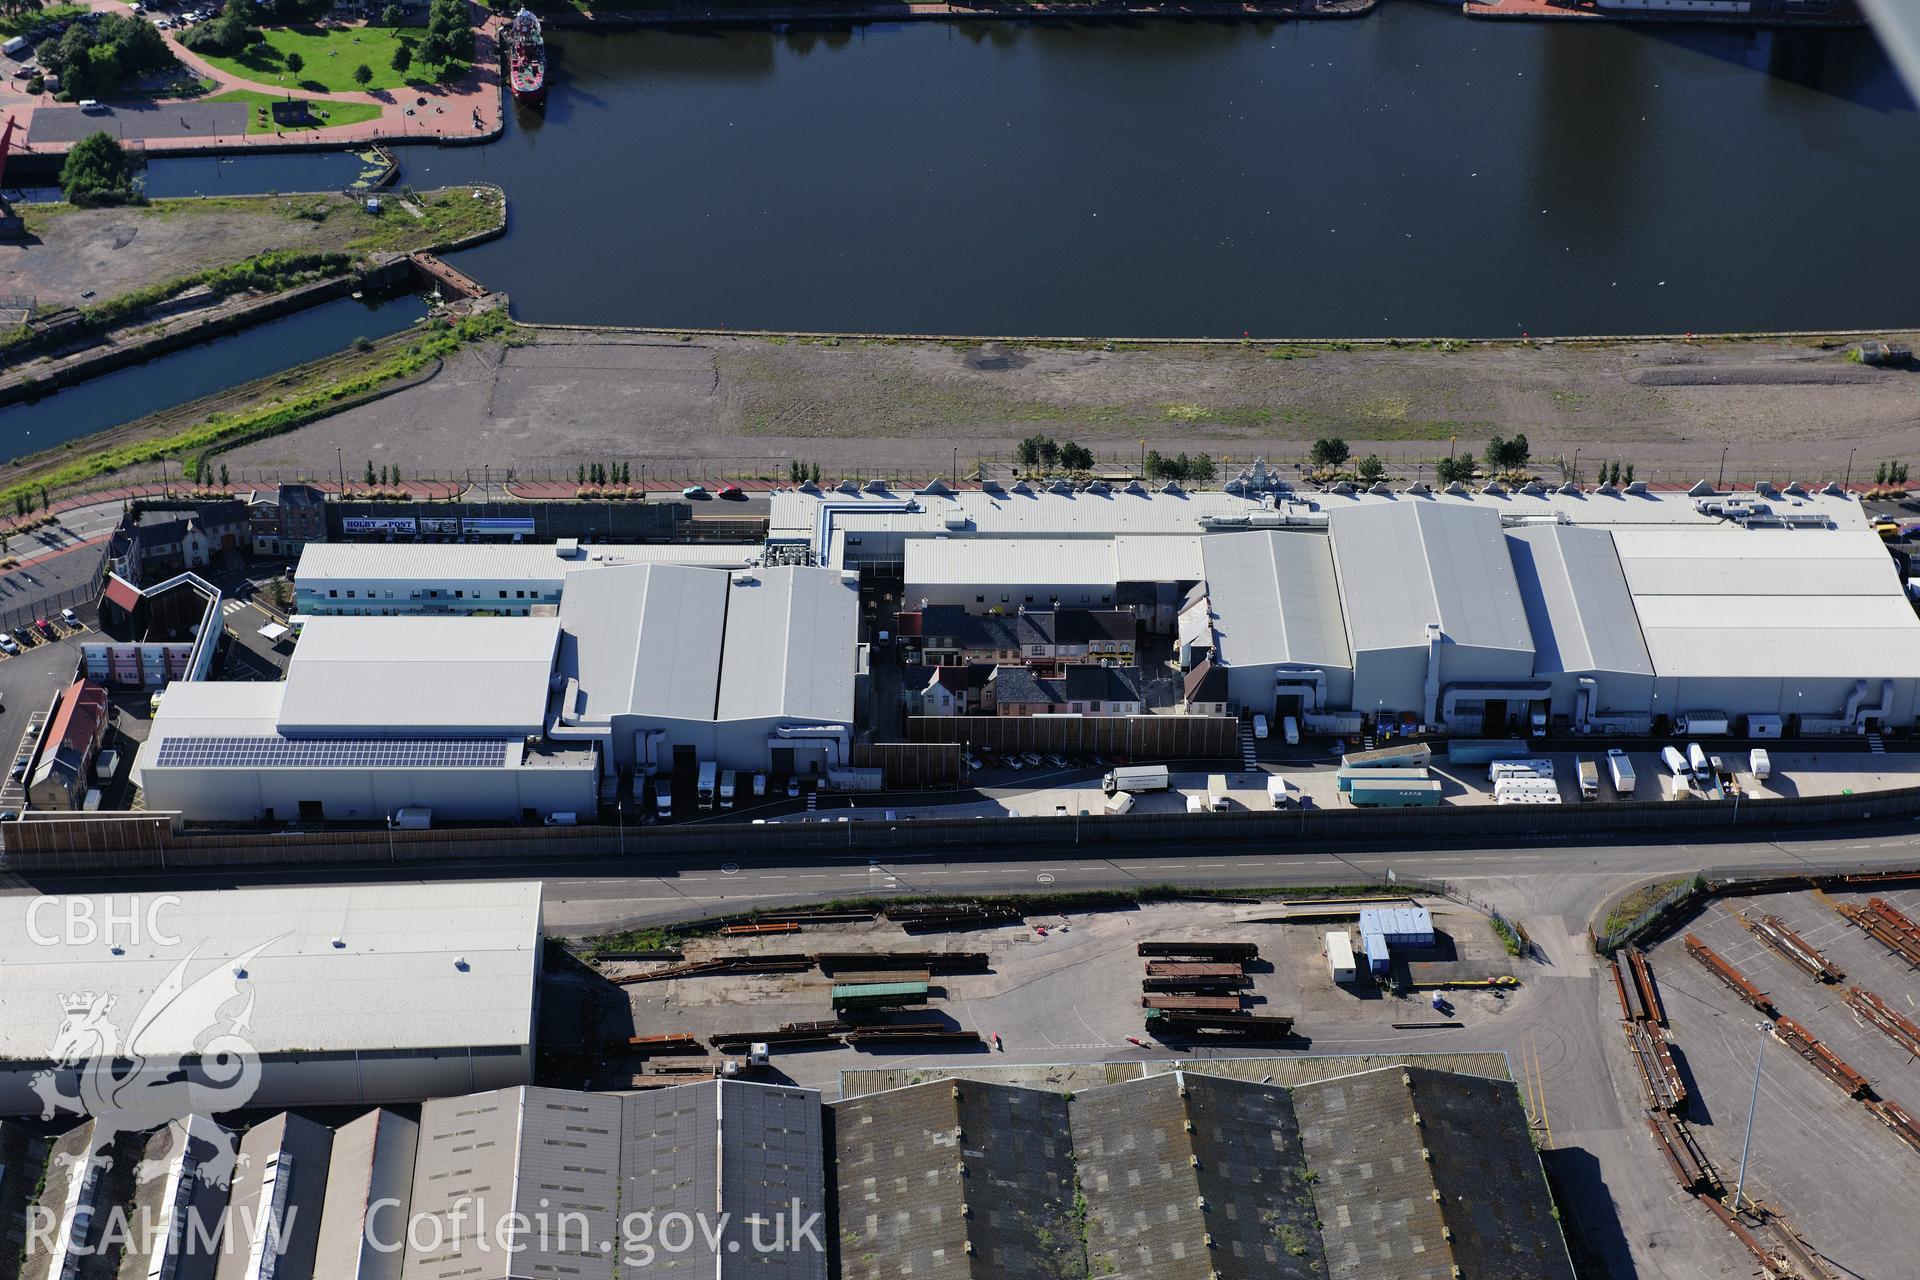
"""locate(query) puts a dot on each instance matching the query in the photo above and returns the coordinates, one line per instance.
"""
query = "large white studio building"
(478, 712)
(1607, 609)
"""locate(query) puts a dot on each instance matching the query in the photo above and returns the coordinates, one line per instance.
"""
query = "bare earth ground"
(702, 406)
(115, 251)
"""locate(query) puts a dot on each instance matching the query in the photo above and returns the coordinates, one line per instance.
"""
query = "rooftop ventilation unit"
(876, 486)
(1494, 489)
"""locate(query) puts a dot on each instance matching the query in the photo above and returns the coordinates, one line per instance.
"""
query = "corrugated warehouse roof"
(644, 640)
(1769, 637)
(391, 984)
(1275, 599)
(420, 676)
(1730, 561)
(1405, 564)
(371, 1161)
(1579, 610)
(1158, 558)
(789, 645)
(353, 562)
(1052, 561)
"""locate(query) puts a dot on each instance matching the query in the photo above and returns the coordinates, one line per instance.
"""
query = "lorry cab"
(663, 797)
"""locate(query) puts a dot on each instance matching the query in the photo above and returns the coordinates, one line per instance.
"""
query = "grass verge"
(328, 56)
(301, 403)
(327, 113)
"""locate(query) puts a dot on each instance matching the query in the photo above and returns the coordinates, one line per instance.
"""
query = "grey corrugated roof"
(644, 640)
(1275, 599)
(1732, 561)
(288, 1149)
(1410, 562)
(413, 676)
(789, 645)
(371, 1161)
(356, 563)
(1578, 606)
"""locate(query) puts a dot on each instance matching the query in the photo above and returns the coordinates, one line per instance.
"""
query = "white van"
(16, 46)
(1119, 802)
(92, 803)
(1760, 764)
(1260, 727)
(1290, 730)
(563, 819)
(92, 106)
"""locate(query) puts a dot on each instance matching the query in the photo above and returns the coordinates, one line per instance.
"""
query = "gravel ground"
(703, 406)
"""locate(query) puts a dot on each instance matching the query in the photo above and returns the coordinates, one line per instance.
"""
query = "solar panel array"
(330, 753)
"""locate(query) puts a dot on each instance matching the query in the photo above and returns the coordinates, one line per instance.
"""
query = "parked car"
(694, 491)
(1013, 761)
(69, 617)
(730, 491)
(8, 644)
(973, 761)
(46, 629)
(1032, 758)
(793, 788)
(1057, 761)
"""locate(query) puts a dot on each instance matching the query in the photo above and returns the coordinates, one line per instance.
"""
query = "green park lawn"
(328, 56)
(329, 112)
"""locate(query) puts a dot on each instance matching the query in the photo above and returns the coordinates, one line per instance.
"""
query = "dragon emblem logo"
(184, 1055)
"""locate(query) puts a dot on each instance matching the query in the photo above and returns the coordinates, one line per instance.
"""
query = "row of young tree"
(1043, 453)
(803, 472)
(1890, 473)
(601, 474)
(1198, 469)
(28, 501)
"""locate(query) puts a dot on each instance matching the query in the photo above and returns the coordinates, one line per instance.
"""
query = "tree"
(433, 50)
(396, 475)
(1330, 451)
(583, 473)
(1457, 470)
(402, 57)
(96, 172)
(1049, 453)
(1371, 469)
(1027, 452)
(223, 475)
(1075, 457)
(1508, 455)
(626, 473)
(363, 75)
(1200, 468)
(392, 16)
(296, 63)
(370, 474)
(813, 476)
(1629, 475)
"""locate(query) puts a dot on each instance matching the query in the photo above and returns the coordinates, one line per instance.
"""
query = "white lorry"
(1589, 779)
(1136, 778)
(1217, 792)
(729, 781)
(1620, 768)
(708, 783)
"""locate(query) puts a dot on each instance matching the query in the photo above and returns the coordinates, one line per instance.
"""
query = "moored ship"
(526, 58)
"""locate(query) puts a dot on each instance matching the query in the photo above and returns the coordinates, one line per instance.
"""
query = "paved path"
(471, 108)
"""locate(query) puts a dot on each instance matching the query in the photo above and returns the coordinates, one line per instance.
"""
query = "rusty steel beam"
(1649, 992)
(1735, 980)
(1825, 1060)
(1876, 927)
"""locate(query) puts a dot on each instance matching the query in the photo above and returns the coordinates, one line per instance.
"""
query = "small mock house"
(1205, 690)
(942, 691)
(79, 726)
(1077, 690)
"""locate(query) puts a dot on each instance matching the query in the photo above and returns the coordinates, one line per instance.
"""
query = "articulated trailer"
(1236, 982)
(1163, 1022)
(1191, 1003)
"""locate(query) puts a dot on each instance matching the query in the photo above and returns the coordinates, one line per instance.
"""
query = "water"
(200, 370)
(1410, 173)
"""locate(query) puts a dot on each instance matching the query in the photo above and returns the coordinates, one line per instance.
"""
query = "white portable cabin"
(1339, 951)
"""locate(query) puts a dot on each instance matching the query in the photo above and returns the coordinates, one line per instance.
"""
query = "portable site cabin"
(1375, 947)
(1340, 956)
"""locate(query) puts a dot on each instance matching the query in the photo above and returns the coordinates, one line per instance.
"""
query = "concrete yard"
(1845, 1181)
(1070, 993)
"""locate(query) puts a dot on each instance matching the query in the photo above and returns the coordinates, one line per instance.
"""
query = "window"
(519, 595)
(1093, 706)
(503, 595)
(983, 599)
(349, 593)
(333, 595)
(1076, 707)
(1029, 599)
(459, 595)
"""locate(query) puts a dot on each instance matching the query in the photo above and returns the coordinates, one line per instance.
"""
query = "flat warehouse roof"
(420, 562)
(1838, 637)
(391, 983)
(644, 640)
(429, 676)
(994, 561)
(1731, 561)
(789, 646)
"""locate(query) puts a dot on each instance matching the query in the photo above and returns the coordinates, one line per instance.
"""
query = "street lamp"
(1847, 483)
(1576, 466)
(1723, 468)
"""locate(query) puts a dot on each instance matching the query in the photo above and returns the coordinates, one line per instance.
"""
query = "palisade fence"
(1607, 943)
(142, 841)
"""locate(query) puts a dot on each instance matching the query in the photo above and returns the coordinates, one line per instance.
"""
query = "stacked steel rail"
(1887, 1019)
(1640, 1001)
(1887, 925)
(1798, 952)
(1825, 1061)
